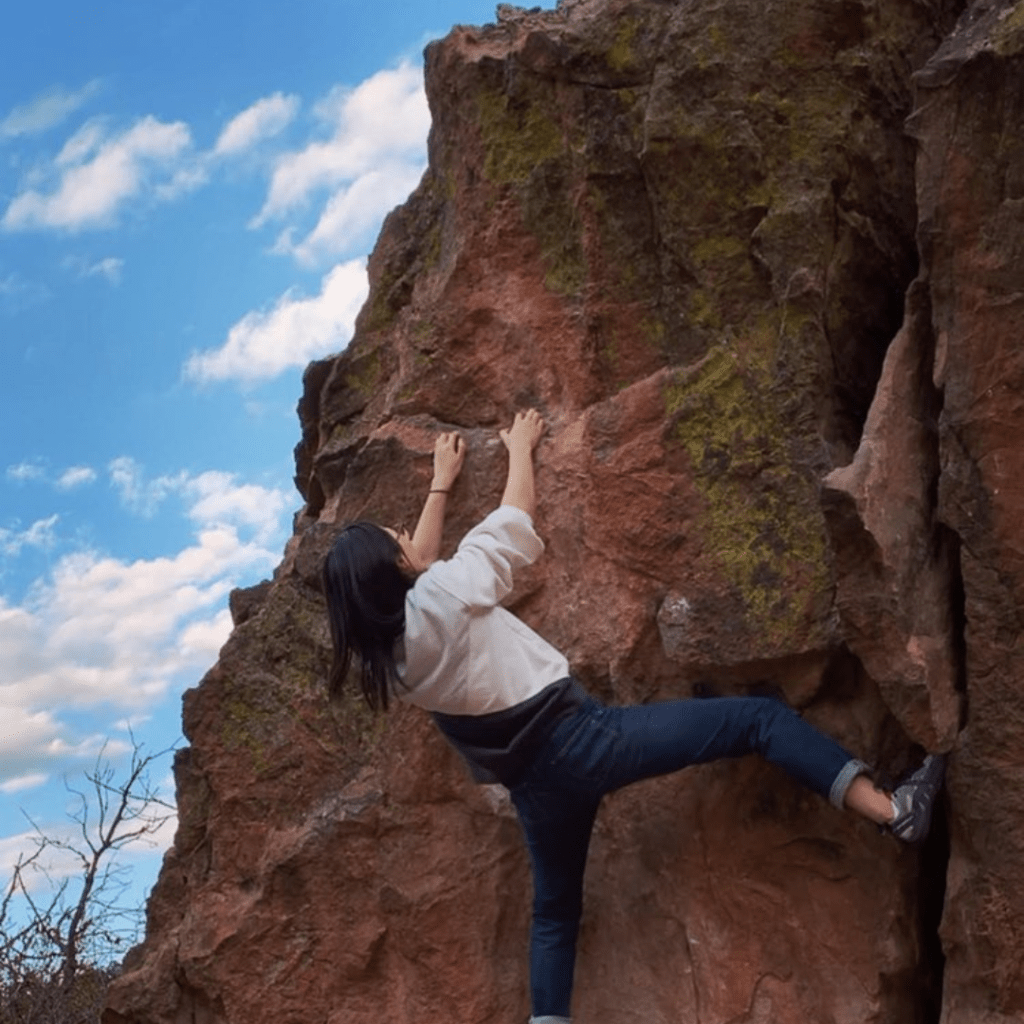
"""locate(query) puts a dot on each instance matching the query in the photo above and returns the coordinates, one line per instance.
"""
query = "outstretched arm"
(449, 454)
(521, 439)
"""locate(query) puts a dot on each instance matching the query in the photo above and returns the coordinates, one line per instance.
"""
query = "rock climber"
(434, 633)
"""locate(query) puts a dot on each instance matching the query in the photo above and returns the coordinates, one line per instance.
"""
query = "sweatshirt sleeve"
(480, 573)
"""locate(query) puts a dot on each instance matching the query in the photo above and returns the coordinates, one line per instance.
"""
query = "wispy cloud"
(36, 472)
(266, 343)
(39, 535)
(373, 152)
(23, 782)
(109, 267)
(97, 173)
(214, 498)
(352, 212)
(369, 154)
(25, 471)
(265, 118)
(138, 493)
(218, 499)
(75, 476)
(102, 632)
(45, 111)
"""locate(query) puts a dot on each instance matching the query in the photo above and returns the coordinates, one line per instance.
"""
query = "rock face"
(971, 201)
(774, 327)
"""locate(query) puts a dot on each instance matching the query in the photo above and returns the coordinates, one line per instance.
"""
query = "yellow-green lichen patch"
(620, 53)
(526, 152)
(710, 47)
(382, 311)
(245, 727)
(717, 250)
(804, 135)
(762, 525)
(702, 309)
(365, 375)
(1008, 34)
(565, 272)
(551, 218)
(517, 139)
(341, 436)
(652, 330)
(432, 245)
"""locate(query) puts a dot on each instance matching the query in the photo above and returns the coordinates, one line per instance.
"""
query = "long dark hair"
(365, 591)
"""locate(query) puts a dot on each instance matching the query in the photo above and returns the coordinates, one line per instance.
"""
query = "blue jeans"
(599, 749)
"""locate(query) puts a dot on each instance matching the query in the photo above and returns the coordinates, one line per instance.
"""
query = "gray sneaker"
(914, 799)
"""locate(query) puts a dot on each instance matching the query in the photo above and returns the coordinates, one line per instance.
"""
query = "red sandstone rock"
(971, 202)
(684, 232)
(897, 567)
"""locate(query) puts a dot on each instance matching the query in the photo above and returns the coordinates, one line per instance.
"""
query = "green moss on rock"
(1008, 36)
(762, 522)
(620, 54)
(365, 375)
(517, 138)
(526, 151)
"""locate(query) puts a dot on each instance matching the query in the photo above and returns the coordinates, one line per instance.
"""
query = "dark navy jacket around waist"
(500, 746)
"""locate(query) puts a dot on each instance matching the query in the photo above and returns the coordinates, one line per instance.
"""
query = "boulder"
(686, 233)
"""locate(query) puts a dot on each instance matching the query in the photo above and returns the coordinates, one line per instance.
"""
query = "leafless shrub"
(61, 941)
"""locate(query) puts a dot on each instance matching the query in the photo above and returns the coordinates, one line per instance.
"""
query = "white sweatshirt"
(463, 653)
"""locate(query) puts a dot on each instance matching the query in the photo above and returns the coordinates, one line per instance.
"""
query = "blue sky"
(188, 192)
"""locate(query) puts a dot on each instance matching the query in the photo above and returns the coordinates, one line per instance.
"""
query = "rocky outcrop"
(971, 200)
(775, 335)
(898, 588)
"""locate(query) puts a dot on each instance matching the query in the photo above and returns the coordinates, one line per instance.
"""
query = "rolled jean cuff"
(550, 1020)
(849, 771)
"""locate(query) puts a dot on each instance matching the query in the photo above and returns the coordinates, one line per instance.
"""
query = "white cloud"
(23, 782)
(296, 330)
(137, 493)
(112, 626)
(98, 173)
(354, 210)
(45, 111)
(214, 498)
(109, 267)
(25, 471)
(264, 119)
(85, 141)
(185, 179)
(38, 535)
(203, 640)
(218, 499)
(101, 632)
(76, 476)
(373, 155)
(11, 848)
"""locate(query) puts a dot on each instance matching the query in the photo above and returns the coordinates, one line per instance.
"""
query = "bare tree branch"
(58, 950)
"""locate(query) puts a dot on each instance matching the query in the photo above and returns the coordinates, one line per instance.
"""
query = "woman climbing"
(434, 633)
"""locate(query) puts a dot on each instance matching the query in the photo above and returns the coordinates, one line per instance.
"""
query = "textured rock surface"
(971, 197)
(898, 574)
(685, 232)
